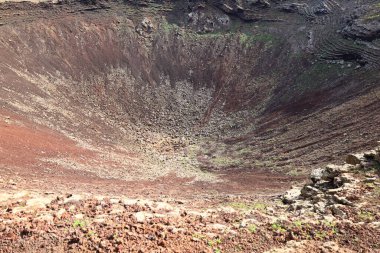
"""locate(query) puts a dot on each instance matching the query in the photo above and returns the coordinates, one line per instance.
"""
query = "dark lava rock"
(363, 29)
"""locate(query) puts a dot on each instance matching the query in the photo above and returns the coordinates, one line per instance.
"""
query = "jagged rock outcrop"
(363, 23)
(335, 186)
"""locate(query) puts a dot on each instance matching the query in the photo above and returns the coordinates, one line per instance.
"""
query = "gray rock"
(342, 200)
(354, 159)
(332, 171)
(60, 213)
(335, 190)
(141, 217)
(300, 205)
(309, 191)
(73, 199)
(291, 196)
(294, 7)
(320, 207)
(375, 224)
(46, 217)
(363, 28)
(370, 180)
(318, 198)
(368, 163)
(316, 175)
(335, 209)
(343, 179)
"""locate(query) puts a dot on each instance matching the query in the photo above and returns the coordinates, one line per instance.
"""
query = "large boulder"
(291, 196)
(354, 159)
(344, 178)
(331, 171)
(316, 175)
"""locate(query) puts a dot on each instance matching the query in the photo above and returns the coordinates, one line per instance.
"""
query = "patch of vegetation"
(372, 17)
(376, 191)
(320, 235)
(155, 8)
(214, 242)
(168, 27)
(211, 35)
(316, 74)
(244, 39)
(315, 77)
(302, 230)
(252, 228)
(295, 172)
(366, 216)
(298, 223)
(278, 228)
(265, 164)
(244, 151)
(250, 39)
(248, 206)
(224, 161)
(79, 223)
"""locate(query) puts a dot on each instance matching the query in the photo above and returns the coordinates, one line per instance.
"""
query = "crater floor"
(181, 99)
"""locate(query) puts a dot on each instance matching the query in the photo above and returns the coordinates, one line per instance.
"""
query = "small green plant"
(329, 224)
(244, 39)
(79, 223)
(214, 242)
(277, 227)
(218, 251)
(298, 224)
(259, 206)
(320, 235)
(252, 228)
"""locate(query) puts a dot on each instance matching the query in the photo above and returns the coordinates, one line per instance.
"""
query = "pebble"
(60, 213)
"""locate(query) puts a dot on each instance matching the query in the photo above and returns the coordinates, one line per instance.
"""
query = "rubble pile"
(336, 186)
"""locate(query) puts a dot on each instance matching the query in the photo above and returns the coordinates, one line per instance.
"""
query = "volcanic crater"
(172, 97)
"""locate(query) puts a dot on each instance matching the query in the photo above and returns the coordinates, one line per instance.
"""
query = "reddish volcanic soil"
(25, 145)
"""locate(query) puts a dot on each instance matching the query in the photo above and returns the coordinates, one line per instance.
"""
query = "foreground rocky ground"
(338, 212)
